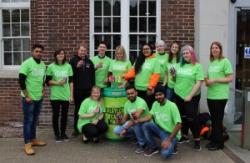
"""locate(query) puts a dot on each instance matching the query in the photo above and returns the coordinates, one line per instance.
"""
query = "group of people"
(163, 91)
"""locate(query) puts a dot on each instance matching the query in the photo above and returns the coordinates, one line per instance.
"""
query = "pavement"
(74, 151)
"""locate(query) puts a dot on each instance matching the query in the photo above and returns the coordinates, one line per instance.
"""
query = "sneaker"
(214, 147)
(175, 150)
(183, 139)
(197, 145)
(85, 139)
(58, 139)
(65, 137)
(36, 142)
(28, 149)
(139, 149)
(150, 152)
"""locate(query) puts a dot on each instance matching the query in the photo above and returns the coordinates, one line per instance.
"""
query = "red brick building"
(65, 24)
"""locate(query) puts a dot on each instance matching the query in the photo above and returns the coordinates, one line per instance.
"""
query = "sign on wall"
(247, 52)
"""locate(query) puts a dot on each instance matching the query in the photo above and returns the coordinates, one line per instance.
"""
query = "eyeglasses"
(146, 49)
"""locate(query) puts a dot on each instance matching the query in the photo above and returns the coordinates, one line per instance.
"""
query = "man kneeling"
(129, 125)
(167, 125)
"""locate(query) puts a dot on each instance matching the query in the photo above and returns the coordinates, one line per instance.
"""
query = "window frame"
(125, 10)
(8, 6)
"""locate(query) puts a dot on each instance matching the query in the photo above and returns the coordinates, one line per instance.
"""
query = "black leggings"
(91, 131)
(216, 109)
(189, 113)
(57, 107)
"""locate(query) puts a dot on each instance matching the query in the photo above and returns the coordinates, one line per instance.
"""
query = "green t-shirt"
(88, 106)
(186, 77)
(149, 67)
(34, 78)
(101, 73)
(60, 72)
(166, 116)
(173, 64)
(138, 104)
(219, 69)
(163, 61)
(119, 68)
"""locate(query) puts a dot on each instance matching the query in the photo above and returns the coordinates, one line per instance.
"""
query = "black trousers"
(91, 131)
(79, 96)
(148, 98)
(216, 109)
(59, 106)
(189, 112)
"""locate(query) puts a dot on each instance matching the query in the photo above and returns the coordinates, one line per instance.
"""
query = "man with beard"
(83, 79)
(167, 125)
(129, 125)
(31, 80)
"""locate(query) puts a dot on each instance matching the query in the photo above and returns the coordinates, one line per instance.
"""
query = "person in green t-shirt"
(167, 125)
(118, 68)
(162, 57)
(134, 109)
(31, 79)
(146, 74)
(173, 59)
(59, 78)
(188, 79)
(102, 64)
(219, 75)
(91, 118)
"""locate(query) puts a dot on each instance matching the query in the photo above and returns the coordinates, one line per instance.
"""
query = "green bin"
(114, 100)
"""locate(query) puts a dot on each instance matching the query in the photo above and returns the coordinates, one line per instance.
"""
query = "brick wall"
(65, 24)
(177, 17)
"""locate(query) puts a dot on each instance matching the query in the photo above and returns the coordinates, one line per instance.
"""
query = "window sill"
(8, 73)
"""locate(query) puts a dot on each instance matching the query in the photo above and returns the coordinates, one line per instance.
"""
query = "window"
(15, 32)
(129, 23)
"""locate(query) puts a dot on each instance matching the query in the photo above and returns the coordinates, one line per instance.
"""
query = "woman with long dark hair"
(146, 72)
(173, 59)
(219, 75)
(59, 78)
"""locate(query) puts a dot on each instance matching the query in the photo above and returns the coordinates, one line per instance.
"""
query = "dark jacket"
(84, 76)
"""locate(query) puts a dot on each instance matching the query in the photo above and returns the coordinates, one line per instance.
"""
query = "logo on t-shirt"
(184, 71)
(214, 69)
(61, 74)
(162, 117)
(37, 72)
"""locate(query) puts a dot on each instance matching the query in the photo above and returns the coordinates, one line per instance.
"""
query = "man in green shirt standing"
(31, 79)
(101, 63)
(167, 125)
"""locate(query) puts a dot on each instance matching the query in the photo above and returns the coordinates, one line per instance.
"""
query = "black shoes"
(214, 146)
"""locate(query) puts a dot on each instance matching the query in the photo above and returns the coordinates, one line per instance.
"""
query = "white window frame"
(11, 5)
(124, 25)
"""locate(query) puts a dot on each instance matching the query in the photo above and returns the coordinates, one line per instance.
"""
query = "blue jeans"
(170, 94)
(150, 130)
(134, 131)
(31, 112)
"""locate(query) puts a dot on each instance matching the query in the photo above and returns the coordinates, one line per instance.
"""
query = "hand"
(80, 63)
(122, 85)
(61, 82)
(188, 98)
(95, 122)
(209, 82)
(28, 99)
(165, 144)
(136, 115)
(123, 132)
(71, 99)
(99, 65)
